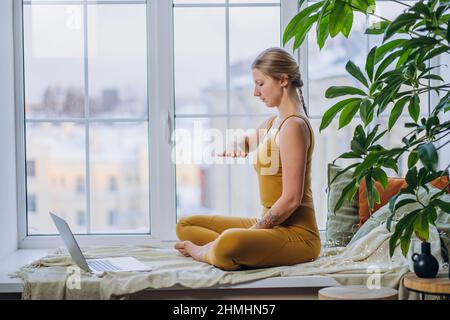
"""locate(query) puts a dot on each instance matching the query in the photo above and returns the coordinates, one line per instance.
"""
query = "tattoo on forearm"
(269, 220)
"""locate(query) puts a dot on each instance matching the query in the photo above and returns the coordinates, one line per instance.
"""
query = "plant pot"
(425, 264)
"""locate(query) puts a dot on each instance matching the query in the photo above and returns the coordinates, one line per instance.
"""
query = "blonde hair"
(274, 62)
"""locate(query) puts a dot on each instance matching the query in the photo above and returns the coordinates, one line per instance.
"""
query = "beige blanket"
(54, 276)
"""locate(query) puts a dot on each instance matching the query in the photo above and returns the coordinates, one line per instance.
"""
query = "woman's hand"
(234, 151)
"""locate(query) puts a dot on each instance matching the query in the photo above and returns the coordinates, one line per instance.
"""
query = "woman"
(287, 233)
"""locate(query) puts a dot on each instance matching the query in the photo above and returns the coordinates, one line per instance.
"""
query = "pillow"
(381, 215)
(342, 224)
(393, 187)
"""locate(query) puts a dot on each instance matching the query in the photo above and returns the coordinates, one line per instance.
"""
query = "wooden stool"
(439, 286)
(357, 293)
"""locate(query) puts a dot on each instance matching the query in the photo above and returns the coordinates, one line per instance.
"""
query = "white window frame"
(161, 118)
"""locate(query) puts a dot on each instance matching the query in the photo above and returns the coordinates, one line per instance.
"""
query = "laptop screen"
(70, 242)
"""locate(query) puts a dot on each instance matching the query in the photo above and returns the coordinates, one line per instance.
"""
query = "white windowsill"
(15, 260)
(12, 262)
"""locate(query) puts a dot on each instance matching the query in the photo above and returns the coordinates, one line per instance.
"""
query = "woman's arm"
(247, 143)
(253, 139)
(294, 143)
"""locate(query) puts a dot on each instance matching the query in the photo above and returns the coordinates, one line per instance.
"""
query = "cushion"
(393, 187)
(381, 215)
(342, 224)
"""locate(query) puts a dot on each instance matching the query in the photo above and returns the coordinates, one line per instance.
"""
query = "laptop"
(94, 265)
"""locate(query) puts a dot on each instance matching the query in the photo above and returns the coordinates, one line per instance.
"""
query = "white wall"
(8, 211)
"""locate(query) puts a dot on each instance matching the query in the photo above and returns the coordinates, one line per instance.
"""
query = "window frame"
(161, 103)
(159, 93)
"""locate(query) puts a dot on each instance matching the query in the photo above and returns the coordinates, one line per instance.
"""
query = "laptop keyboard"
(102, 265)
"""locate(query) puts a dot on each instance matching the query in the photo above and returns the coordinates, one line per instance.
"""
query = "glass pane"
(59, 182)
(251, 31)
(327, 67)
(81, 1)
(53, 61)
(199, 60)
(254, 1)
(243, 175)
(119, 178)
(37, 1)
(329, 144)
(117, 61)
(202, 179)
(122, 1)
(197, 1)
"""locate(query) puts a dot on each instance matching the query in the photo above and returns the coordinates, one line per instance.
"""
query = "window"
(80, 187)
(31, 203)
(112, 184)
(113, 218)
(31, 168)
(81, 219)
(105, 82)
(86, 110)
(214, 46)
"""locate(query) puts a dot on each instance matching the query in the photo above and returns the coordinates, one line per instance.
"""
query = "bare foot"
(180, 246)
(187, 248)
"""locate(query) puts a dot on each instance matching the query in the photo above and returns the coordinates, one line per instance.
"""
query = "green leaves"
(348, 192)
(397, 111)
(421, 8)
(356, 73)
(443, 104)
(380, 176)
(335, 109)
(332, 17)
(395, 75)
(371, 191)
(348, 23)
(339, 16)
(296, 24)
(366, 111)
(428, 156)
(387, 47)
(370, 62)
(403, 229)
(404, 20)
(414, 107)
(348, 113)
(447, 36)
(322, 30)
(445, 206)
(387, 62)
(303, 29)
(403, 202)
(333, 92)
(421, 226)
(413, 158)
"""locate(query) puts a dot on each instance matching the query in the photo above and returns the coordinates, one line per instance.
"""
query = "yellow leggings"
(236, 246)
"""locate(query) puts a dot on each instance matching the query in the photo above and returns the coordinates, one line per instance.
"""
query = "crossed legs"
(198, 233)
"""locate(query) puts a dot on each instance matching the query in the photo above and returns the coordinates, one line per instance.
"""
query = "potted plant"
(393, 77)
